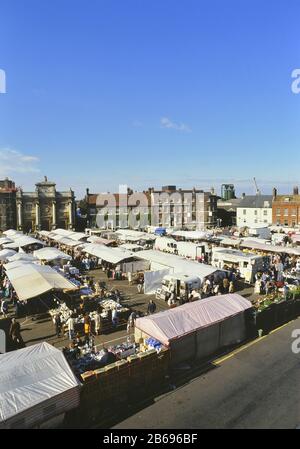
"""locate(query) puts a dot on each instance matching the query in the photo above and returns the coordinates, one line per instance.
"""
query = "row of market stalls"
(38, 386)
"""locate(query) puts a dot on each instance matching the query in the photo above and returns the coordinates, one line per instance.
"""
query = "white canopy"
(15, 264)
(4, 240)
(111, 255)
(12, 232)
(271, 248)
(31, 280)
(22, 256)
(31, 376)
(22, 240)
(174, 323)
(50, 254)
(192, 235)
(62, 232)
(130, 246)
(6, 253)
(69, 242)
(178, 264)
(99, 240)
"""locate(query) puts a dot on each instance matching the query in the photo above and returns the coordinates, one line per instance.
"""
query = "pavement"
(255, 386)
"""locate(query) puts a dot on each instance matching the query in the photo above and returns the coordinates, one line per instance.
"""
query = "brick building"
(191, 209)
(286, 209)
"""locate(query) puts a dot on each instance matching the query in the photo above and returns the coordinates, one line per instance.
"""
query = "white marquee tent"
(111, 255)
(36, 385)
(6, 253)
(31, 280)
(49, 254)
(197, 329)
(160, 260)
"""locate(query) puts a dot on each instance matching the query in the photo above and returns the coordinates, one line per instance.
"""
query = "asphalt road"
(257, 386)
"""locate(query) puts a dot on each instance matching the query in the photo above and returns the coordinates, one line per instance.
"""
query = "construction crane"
(256, 187)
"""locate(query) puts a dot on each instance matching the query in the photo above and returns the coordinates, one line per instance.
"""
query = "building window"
(244, 212)
(278, 211)
(265, 212)
(255, 212)
(294, 212)
(286, 212)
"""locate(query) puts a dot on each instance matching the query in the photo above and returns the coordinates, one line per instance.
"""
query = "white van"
(248, 264)
(180, 283)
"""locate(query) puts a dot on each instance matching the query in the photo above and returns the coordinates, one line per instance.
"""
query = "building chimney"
(295, 190)
(243, 195)
(274, 193)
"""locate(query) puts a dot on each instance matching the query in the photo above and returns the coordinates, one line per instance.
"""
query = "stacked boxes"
(124, 381)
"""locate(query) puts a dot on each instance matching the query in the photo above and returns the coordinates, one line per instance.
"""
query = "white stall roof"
(50, 253)
(230, 241)
(77, 236)
(271, 248)
(15, 264)
(62, 232)
(99, 240)
(69, 242)
(175, 323)
(111, 255)
(178, 264)
(4, 240)
(31, 280)
(22, 256)
(12, 232)
(20, 241)
(192, 235)
(130, 246)
(6, 253)
(31, 376)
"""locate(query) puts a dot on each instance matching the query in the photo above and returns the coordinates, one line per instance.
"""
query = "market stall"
(197, 329)
(49, 254)
(31, 280)
(6, 253)
(36, 386)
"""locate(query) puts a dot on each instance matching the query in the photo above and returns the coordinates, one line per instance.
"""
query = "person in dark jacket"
(58, 325)
(15, 333)
(151, 307)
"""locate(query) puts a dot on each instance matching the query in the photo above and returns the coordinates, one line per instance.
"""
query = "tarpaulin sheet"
(175, 323)
(153, 280)
(49, 254)
(31, 280)
(30, 376)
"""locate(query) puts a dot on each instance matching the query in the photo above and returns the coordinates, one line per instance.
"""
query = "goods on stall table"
(124, 350)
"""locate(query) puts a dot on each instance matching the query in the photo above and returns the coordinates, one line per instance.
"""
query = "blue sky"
(150, 92)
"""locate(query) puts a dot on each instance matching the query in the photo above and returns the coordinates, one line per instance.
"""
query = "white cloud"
(12, 161)
(165, 122)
